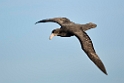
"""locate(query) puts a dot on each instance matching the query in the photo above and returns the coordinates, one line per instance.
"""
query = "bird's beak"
(52, 35)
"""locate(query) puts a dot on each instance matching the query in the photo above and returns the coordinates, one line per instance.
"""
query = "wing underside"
(88, 48)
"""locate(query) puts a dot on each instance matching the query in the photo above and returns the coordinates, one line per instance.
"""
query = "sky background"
(28, 56)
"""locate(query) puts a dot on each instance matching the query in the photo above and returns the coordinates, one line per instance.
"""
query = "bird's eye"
(53, 31)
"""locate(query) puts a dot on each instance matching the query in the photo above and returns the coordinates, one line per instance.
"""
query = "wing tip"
(102, 68)
(105, 72)
(40, 21)
(36, 23)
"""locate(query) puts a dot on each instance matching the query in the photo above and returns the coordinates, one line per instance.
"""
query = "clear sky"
(28, 56)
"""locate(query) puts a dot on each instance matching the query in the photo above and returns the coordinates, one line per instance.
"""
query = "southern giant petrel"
(69, 28)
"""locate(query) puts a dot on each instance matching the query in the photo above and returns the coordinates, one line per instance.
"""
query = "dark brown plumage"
(69, 28)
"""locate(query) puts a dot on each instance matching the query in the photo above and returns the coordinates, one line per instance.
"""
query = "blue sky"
(28, 56)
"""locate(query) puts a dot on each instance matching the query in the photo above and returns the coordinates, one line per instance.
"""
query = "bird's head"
(55, 32)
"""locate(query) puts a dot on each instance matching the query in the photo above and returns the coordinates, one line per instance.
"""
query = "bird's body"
(69, 28)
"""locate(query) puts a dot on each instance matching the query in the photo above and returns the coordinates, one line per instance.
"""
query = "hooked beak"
(52, 35)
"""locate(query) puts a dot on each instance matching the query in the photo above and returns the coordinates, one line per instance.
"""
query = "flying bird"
(68, 29)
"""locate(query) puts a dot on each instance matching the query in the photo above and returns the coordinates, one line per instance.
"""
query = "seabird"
(69, 28)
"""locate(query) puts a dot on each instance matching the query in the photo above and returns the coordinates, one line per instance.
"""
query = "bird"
(69, 28)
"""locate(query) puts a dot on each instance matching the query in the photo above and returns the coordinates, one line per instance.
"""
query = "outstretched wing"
(60, 21)
(88, 48)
